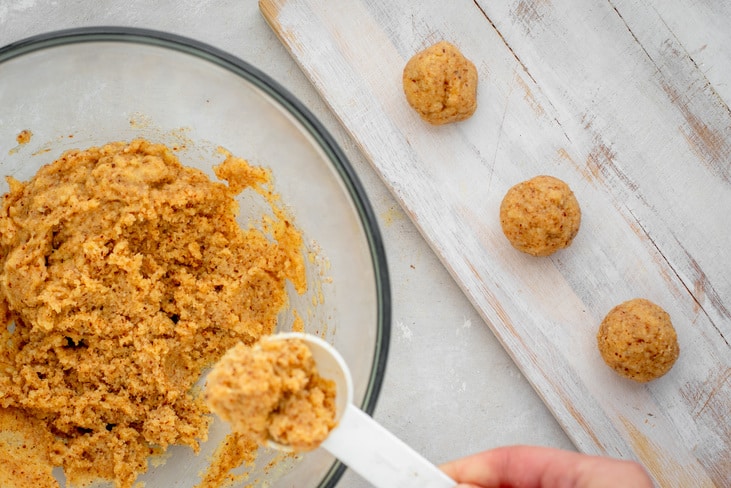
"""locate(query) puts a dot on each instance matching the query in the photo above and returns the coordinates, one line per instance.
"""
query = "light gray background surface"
(450, 389)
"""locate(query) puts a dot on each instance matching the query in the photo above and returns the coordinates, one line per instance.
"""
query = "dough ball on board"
(638, 341)
(540, 216)
(441, 84)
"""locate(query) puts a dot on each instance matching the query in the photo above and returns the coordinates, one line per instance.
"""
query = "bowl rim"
(309, 122)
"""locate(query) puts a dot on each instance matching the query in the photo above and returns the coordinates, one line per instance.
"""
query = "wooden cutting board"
(628, 104)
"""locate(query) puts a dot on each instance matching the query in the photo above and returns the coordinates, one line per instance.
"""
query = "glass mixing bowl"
(86, 87)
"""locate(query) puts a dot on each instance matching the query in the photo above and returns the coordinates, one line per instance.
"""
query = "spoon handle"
(380, 457)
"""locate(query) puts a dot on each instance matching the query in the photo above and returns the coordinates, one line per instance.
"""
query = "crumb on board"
(23, 136)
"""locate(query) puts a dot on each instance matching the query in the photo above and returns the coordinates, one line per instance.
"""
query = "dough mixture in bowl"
(124, 274)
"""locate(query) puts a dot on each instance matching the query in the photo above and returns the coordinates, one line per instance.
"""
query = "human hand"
(543, 467)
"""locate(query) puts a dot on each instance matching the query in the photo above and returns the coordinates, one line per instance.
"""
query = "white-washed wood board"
(628, 102)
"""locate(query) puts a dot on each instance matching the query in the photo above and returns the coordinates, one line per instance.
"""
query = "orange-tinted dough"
(273, 391)
(638, 340)
(441, 84)
(540, 216)
(24, 136)
(125, 274)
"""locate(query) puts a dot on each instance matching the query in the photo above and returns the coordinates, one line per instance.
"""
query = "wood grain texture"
(627, 103)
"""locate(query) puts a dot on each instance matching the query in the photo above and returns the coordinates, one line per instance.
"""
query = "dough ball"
(638, 341)
(540, 216)
(441, 84)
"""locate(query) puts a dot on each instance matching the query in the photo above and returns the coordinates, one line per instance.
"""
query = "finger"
(534, 467)
(523, 466)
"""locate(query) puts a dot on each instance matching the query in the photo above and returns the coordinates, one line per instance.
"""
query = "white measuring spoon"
(360, 442)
